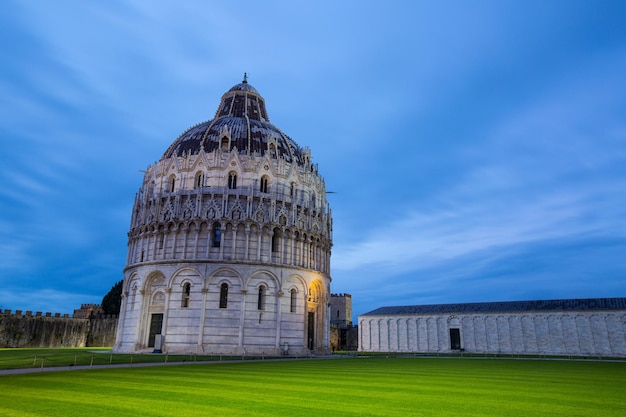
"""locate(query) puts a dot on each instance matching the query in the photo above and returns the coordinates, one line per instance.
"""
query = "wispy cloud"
(540, 175)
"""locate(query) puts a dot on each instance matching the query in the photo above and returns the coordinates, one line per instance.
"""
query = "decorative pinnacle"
(245, 78)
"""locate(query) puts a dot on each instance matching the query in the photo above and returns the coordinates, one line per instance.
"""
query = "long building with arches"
(579, 327)
(229, 243)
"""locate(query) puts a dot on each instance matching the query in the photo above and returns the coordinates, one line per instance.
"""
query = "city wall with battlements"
(23, 329)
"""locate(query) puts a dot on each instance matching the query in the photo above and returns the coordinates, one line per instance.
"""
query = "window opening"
(232, 181)
(294, 298)
(217, 235)
(224, 295)
(276, 240)
(263, 187)
(199, 180)
(261, 299)
(186, 295)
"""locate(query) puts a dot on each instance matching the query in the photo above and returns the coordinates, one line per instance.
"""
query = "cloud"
(538, 175)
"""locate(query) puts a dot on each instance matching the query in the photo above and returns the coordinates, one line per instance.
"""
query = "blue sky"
(477, 148)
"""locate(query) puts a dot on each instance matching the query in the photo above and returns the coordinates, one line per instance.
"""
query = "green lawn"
(11, 358)
(328, 387)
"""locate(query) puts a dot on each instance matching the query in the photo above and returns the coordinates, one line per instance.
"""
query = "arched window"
(292, 190)
(199, 183)
(276, 240)
(313, 200)
(186, 295)
(232, 180)
(224, 143)
(294, 300)
(172, 183)
(216, 239)
(224, 295)
(264, 181)
(261, 299)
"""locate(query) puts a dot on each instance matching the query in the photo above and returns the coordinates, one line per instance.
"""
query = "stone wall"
(596, 333)
(343, 338)
(102, 331)
(48, 331)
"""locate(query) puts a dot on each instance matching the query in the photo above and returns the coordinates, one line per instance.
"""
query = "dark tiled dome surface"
(242, 118)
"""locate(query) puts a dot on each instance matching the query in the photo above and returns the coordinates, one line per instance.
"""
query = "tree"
(113, 300)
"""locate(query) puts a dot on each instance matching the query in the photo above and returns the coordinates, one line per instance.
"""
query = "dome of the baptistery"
(241, 123)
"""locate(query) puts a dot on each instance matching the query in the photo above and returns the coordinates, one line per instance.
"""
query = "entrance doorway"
(156, 326)
(455, 339)
(311, 330)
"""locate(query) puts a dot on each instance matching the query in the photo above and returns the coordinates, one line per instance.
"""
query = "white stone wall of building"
(202, 326)
(590, 333)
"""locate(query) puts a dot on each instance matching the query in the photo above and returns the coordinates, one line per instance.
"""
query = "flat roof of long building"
(578, 304)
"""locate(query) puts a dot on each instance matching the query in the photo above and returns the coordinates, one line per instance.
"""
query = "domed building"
(229, 243)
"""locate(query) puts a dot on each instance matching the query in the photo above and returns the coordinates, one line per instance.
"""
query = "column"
(244, 293)
(279, 306)
(200, 348)
(120, 324)
(223, 232)
(247, 255)
(166, 310)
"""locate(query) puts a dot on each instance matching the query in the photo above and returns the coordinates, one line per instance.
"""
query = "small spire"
(245, 78)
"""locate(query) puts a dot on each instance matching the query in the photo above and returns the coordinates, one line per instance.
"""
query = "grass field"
(327, 387)
(11, 358)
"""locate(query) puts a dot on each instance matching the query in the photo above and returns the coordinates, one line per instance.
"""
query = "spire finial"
(245, 78)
